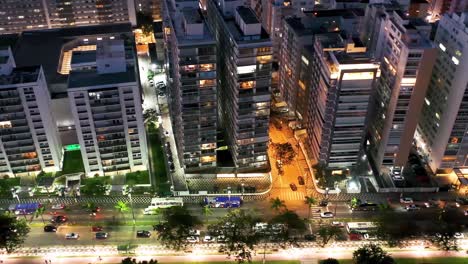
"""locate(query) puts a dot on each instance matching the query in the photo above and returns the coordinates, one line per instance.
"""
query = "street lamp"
(229, 195)
(131, 204)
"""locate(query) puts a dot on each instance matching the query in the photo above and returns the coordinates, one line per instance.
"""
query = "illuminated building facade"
(29, 141)
(407, 56)
(192, 78)
(336, 80)
(244, 65)
(443, 130)
(17, 16)
(105, 98)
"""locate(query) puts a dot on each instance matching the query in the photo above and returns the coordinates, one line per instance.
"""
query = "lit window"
(455, 60)
(305, 60)
(427, 101)
(247, 85)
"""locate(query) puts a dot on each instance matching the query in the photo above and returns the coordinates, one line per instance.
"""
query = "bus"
(26, 209)
(360, 227)
(167, 202)
(367, 206)
(223, 202)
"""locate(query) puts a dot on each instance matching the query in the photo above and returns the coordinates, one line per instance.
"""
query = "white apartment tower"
(443, 128)
(29, 141)
(106, 105)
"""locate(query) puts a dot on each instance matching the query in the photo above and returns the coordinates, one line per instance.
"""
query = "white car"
(459, 235)
(58, 206)
(72, 236)
(260, 226)
(326, 215)
(406, 200)
(193, 239)
(208, 239)
(194, 232)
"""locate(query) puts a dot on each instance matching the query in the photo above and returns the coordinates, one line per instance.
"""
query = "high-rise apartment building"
(244, 65)
(407, 55)
(336, 80)
(299, 32)
(104, 94)
(17, 16)
(272, 13)
(151, 7)
(192, 78)
(29, 141)
(443, 127)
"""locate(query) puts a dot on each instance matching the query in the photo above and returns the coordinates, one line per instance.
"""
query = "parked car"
(293, 187)
(406, 200)
(101, 235)
(459, 235)
(50, 228)
(193, 239)
(300, 180)
(143, 233)
(323, 203)
(72, 236)
(96, 228)
(338, 224)
(194, 232)
(326, 215)
(209, 239)
(221, 239)
(58, 206)
(59, 219)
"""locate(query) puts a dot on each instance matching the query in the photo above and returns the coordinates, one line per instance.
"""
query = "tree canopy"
(13, 232)
(177, 224)
(372, 254)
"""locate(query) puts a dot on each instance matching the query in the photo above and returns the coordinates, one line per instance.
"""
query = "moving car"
(412, 207)
(96, 228)
(406, 200)
(72, 236)
(338, 224)
(293, 187)
(50, 228)
(101, 235)
(429, 204)
(458, 235)
(58, 206)
(326, 215)
(143, 233)
(300, 180)
(59, 219)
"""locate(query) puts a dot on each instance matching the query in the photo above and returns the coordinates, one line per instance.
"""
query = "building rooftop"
(20, 75)
(31, 49)
(83, 56)
(247, 15)
(90, 78)
(344, 13)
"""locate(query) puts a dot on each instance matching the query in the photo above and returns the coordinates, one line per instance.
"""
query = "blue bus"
(223, 202)
(26, 209)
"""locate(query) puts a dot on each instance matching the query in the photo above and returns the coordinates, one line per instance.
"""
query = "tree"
(354, 202)
(122, 207)
(327, 233)
(310, 201)
(277, 204)
(93, 186)
(443, 229)
(291, 223)
(329, 261)
(129, 260)
(13, 232)
(372, 254)
(393, 228)
(40, 212)
(238, 229)
(206, 211)
(150, 115)
(176, 226)
(145, 22)
(284, 152)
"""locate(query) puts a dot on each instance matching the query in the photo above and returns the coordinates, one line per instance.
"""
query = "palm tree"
(310, 201)
(122, 207)
(277, 204)
(40, 212)
(206, 210)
